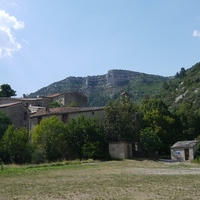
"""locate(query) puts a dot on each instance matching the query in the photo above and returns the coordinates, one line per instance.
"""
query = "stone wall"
(96, 114)
(79, 99)
(121, 150)
(18, 114)
(179, 154)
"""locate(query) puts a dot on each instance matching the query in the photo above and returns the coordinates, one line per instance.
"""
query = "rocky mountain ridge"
(106, 87)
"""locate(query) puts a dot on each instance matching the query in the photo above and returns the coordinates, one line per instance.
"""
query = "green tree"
(189, 119)
(165, 85)
(4, 123)
(150, 141)
(15, 145)
(6, 91)
(73, 104)
(54, 104)
(182, 72)
(48, 137)
(122, 120)
(85, 139)
(157, 116)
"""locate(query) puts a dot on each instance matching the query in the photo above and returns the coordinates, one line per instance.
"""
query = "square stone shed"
(121, 150)
(184, 150)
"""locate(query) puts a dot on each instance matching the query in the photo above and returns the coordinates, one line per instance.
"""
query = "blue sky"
(42, 41)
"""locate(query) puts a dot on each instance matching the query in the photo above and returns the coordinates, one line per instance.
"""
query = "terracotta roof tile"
(60, 110)
(54, 95)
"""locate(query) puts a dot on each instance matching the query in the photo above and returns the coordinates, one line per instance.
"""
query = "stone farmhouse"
(66, 113)
(23, 112)
(18, 113)
(65, 99)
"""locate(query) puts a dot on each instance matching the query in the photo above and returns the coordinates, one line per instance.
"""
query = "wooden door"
(187, 154)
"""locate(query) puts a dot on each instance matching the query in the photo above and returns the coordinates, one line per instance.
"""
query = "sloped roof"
(54, 95)
(185, 144)
(59, 94)
(20, 99)
(77, 93)
(61, 110)
(13, 104)
(9, 104)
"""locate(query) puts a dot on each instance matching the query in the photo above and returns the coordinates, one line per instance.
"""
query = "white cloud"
(196, 33)
(8, 44)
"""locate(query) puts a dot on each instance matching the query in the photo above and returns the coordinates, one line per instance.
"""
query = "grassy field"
(127, 179)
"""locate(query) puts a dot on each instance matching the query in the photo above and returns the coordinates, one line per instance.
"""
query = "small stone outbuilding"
(184, 150)
(121, 150)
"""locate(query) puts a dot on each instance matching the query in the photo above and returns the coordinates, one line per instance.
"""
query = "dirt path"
(164, 171)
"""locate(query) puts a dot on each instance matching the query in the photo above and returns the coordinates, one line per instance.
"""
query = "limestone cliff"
(102, 88)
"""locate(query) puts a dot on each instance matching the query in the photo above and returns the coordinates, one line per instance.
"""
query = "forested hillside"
(184, 89)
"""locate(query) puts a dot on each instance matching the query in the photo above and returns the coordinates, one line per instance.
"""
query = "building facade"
(66, 99)
(40, 101)
(121, 150)
(66, 113)
(184, 150)
(18, 114)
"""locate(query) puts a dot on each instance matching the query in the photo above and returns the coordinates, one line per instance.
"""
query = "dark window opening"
(39, 119)
(25, 115)
(64, 118)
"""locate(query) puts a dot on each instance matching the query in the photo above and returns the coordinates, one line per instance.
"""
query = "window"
(64, 118)
(39, 119)
(25, 116)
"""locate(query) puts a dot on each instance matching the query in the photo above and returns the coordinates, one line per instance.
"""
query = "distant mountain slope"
(102, 88)
(184, 88)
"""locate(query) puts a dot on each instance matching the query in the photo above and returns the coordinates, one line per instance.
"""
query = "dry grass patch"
(127, 179)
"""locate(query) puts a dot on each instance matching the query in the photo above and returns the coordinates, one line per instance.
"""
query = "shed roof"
(61, 110)
(185, 144)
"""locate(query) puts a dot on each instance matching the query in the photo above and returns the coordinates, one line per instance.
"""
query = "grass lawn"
(127, 179)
